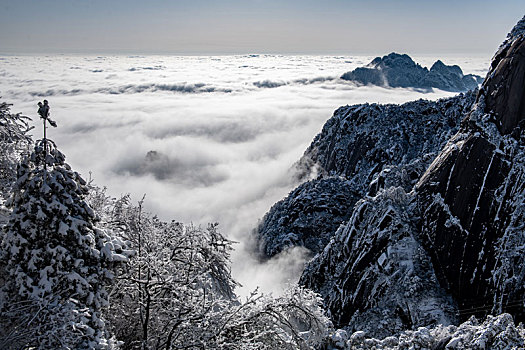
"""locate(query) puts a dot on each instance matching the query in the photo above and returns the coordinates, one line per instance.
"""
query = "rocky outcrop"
(503, 91)
(375, 275)
(392, 70)
(448, 248)
(359, 140)
(395, 70)
(471, 197)
(307, 217)
(450, 78)
(360, 150)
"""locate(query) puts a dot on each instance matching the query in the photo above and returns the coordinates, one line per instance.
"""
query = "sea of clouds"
(207, 139)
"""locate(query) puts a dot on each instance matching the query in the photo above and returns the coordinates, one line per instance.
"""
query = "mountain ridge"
(361, 149)
(399, 70)
(436, 249)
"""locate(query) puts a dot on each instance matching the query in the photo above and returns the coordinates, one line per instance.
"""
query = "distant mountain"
(429, 201)
(395, 70)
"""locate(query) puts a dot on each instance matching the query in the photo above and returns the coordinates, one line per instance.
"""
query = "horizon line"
(130, 52)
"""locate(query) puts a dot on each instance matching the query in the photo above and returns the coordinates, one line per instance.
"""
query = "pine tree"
(14, 139)
(58, 261)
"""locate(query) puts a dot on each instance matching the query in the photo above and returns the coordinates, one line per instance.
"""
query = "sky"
(197, 27)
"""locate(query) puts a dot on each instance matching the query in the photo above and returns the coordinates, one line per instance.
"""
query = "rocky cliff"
(472, 196)
(395, 70)
(361, 149)
(375, 275)
(438, 234)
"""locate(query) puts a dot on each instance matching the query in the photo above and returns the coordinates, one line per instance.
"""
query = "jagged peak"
(518, 30)
(392, 59)
(503, 87)
(438, 63)
(439, 66)
(400, 70)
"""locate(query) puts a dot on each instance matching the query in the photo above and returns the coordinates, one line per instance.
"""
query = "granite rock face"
(375, 275)
(307, 217)
(396, 70)
(438, 235)
(471, 197)
(359, 140)
(360, 150)
(504, 89)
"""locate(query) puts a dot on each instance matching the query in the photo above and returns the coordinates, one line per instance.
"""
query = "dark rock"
(470, 198)
(449, 78)
(354, 153)
(307, 217)
(458, 210)
(359, 140)
(395, 70)
(375, 276)
(504, 88)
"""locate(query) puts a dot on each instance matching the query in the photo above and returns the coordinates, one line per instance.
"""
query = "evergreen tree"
(14, 139)
(58, 261)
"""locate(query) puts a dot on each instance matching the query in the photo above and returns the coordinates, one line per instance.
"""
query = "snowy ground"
(224, 130)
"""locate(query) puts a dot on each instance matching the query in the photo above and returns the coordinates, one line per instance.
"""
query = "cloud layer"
(207, 139)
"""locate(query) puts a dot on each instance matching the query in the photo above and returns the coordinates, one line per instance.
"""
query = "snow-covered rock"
(308, 216)
(375, 276)
(361, 149)
(395, 70)
(358, 140)
(434, 246)
(496, 332)
(471, 198)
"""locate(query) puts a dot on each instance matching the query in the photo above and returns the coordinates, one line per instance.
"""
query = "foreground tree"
(57, 261)
(14, 139)
(292, 321)
(174, 289)
(177, 292)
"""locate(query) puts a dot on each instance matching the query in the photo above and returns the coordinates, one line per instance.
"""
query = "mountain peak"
(503, 91)
(393, 59)
(400, 70)
(517, 31)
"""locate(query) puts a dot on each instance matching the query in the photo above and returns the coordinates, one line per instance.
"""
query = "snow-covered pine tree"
(58, 261)
(14, 139)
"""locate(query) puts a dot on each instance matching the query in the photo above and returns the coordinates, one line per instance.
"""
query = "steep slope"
(375, 275)
(459, 233)
(472, 197)
(308, 216)
(395, 70)
(361, 148)
(360, 139)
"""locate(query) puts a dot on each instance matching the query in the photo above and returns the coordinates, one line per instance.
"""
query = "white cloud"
(207, 139)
